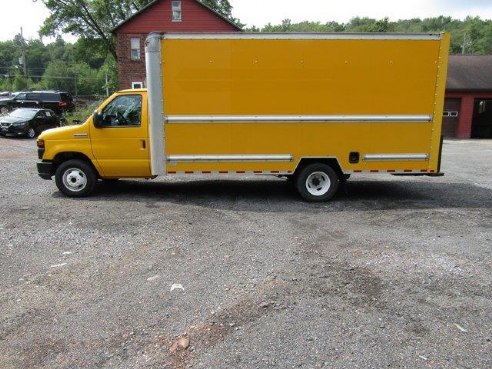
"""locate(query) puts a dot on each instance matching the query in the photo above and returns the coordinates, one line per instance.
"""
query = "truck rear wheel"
(317, 182)
(75, 178)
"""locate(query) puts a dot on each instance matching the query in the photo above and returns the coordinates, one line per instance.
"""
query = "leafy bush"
(81, 114)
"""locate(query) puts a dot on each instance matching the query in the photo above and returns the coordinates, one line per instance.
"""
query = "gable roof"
(149, 5)
(470, 72)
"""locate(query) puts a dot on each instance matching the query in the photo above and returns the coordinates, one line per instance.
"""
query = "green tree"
(60, 50)
(358, 24)
(109, 71)
(89, 19)
(474, 32)
(224, 8)
(95, 58)
(37, 57)
(472, 35)
(19, 83)
(484, 44)
(286, 26)
(305, 26)
(370, 25)
(86, 79)
(9, 57)
(58, 76)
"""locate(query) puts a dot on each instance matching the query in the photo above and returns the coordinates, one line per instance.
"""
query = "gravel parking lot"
(205, 273)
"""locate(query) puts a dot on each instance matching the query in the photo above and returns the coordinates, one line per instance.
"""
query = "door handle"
(144, 144)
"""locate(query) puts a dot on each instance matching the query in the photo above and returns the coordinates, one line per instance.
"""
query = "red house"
(160, 16)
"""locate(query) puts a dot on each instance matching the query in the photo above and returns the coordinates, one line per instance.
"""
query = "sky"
(30, 15)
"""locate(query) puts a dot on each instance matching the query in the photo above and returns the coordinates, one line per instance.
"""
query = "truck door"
(120, 142)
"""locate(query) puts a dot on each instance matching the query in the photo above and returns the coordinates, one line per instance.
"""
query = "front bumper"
(45, 169)
(13, 130)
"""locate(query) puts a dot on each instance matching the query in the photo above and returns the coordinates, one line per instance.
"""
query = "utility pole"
(23, 57)
(107, 87)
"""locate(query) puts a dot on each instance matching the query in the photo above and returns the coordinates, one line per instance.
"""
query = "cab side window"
(123, 111)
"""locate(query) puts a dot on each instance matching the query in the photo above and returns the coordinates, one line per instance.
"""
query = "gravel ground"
(206, 273)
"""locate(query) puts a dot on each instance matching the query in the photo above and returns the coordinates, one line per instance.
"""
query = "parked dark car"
(58, 101)
(28, 122)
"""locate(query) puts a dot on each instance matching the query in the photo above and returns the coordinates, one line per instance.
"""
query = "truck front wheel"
(317, 182)
(75, 178)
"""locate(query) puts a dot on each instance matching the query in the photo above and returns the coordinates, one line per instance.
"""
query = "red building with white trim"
(160, 16)
(468, 105)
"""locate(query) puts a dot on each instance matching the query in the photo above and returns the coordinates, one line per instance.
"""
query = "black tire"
(75, 178)
(31, 132)
(317, 182)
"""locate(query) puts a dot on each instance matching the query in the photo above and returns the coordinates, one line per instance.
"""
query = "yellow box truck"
(314, 108)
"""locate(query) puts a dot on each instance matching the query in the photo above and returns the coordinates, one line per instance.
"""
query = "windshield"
(23, 113)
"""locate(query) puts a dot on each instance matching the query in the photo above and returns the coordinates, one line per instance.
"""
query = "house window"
(176, 9)
(135, 48)
(137, 84)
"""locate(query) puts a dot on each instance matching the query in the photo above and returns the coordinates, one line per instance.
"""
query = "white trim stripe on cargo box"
(229, 158)
(302, 36)
(396, 157)
(298, 118)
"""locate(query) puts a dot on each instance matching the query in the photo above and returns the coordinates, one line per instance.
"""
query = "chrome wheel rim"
(318, 183)
(74, 179)
(31, 133)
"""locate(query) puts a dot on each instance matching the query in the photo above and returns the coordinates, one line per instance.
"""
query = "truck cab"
(111, 144)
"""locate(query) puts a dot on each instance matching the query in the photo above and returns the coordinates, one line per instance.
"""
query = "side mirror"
(97, 118)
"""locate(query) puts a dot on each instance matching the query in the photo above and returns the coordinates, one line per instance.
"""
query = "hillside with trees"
(470, 36)
(88, 67)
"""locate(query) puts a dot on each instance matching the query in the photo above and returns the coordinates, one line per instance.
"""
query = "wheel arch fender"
(65, 156)
(332, 162)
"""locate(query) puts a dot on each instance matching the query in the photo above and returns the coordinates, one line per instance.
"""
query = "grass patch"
(81, 113)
